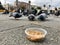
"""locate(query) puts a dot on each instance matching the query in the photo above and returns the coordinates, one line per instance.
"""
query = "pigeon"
(31, 17)
(15, 15)
(42, 17)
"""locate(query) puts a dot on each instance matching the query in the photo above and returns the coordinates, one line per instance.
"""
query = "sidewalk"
(12, 31)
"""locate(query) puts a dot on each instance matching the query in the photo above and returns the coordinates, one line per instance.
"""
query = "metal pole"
(5, 4)
(29, 5)
(51, 2)
(17, 3)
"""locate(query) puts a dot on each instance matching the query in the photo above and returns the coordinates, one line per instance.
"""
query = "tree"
(1, 7)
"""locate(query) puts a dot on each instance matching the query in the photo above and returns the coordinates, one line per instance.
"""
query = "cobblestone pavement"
(12, 31)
